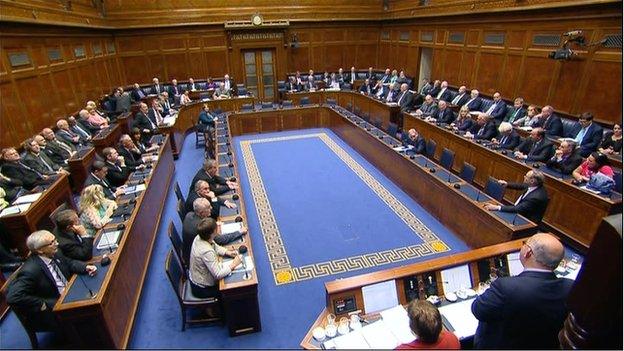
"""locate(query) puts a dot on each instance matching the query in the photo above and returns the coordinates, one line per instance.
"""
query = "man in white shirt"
(533, 201)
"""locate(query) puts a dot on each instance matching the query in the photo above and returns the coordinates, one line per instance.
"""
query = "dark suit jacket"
(591, 140)
(522, 312)
(34, 285)
(66, 137)
(141, 121)
(218, 184)
(109, 189)
(511, 112)
(367, 89)
(510, 142)
(56, 153)
(137, 94)
(14, 170)
(151, 114)
(474, 105)
(532, 206)
(447, 95)
(433, 91)
(161, 89)
(131, 158)
(553, 126)
(72, 247)
(499, 111)
(466, 124)
(215, 205)
(567, 165)
(444, 116)
(406, 101)
(418, 144)
(88, 127)
(310, 84)
(541, 153)
(37, 163)
(462, 100)
(123, 103)
(174, 90)
(486, 132)
(117, 176)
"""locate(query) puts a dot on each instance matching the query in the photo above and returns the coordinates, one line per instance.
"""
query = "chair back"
(468, 172)
(267, 105)
(393, 128)
(304, 101)
(446, 160)
(176, 242)
(178, 192)
(287, 103)
(181, 210)
(175, 273)
(617, 177)
(61, 207)
(430, 148)
(246, 107)
(494, 189)
(330, 101)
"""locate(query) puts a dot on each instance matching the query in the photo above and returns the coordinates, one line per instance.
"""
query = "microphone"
(238, 219)
(478, 195)
(93, 296)
(235, 197)
(449, 177)
(105, 259)
(243, 250)
(513, 222)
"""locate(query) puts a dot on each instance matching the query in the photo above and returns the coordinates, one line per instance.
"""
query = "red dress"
(446, 341)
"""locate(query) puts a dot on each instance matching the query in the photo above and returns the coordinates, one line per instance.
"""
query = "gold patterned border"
(283, 271)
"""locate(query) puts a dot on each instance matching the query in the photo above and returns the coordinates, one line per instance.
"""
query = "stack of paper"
(378, 335)
(134, 189)
(14, 209)
(397, 320)
(249, 264)
(460, 316)
(169, 120)
(108, 240)
(353, 341)
(227, 228)
(26, 199)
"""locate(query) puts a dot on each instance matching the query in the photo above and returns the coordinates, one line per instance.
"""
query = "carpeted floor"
(324, 213)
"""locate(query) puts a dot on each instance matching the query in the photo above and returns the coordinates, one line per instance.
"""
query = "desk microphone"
(105, 261)
(232, 179)
(93, 296)
(242, 250)
(238, 219)
(513, 222)
(449, 177)
(478, 195)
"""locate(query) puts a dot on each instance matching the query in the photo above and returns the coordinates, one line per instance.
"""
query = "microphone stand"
(93, 296)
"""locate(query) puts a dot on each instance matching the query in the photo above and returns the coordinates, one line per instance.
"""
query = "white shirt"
(531, 188)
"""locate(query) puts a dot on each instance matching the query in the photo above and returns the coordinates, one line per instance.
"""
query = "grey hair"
(201, 204)
(505, 127)
(209, 163)
(545, 257)
(538, 176)
(36, 240)
(199, 184)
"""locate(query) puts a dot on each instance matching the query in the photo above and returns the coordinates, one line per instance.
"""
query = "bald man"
(526, 311)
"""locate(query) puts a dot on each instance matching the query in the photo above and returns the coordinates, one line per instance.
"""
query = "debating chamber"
(328, 174)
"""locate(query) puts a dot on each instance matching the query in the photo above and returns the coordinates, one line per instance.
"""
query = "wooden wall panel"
(604, 93)
(135, 69)
(488, 71)
(535, 80)
(507, 85)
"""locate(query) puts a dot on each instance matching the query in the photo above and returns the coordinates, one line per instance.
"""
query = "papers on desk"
(459, 316)
(134, 189)
(26, 199)
(227, 228)
(456, 278)
(584, 187)
(515, 266)
(527, 129)
(380, 296)
(403, 148)
(149, 158)
(108, 240)
(249, 264)
(14, 209)
(353, 340)
(392, 104)
(169, 120)
(378, 335)
(397, 320)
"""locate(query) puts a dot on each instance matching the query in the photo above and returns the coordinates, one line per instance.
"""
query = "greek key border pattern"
(283, 272)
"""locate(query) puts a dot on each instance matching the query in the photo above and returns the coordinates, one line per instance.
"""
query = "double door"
(259, 68)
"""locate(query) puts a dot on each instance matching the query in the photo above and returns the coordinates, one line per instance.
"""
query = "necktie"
(60, 280)
(440, 93)
(78, 238)
(503, 140)
(481, 131)
(45, 163)
(401, 98)
(489, 111)
(580, 136)
(141, 95)
(456, 99)
(534, 147)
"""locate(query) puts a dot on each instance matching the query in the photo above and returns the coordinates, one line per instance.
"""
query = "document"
(227, 228)
(380, 296)
(134, 189)
(169, 120)
(460, 316)
(397, 320)
(108, 240)
(379, 336)
(515, 266)
(14, 209)
(27, 198)
(456, 278)
(248, 263)
(352, 341)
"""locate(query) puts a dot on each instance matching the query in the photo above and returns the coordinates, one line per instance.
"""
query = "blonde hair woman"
(95, 209)
(464, 121)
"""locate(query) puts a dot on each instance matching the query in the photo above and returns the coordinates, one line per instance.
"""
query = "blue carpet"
(287, 311)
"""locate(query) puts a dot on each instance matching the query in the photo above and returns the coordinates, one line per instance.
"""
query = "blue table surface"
(79, 290)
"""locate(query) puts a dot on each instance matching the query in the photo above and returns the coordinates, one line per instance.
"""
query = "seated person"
(405, 99)
(498, 110)
(210, 84)
(474, 102)
(137, 93)
(484, 129)
(144, 122)
(531, 119)
(12, 188)
(461, 98)
(326, 79)
(202, 189)
(428, 107)
(98, 173)
(95, 117)
(292, 85)
(118, 171)
(566, 159)
(221, 92)
(402, 78)
(464, 121)
(550, 122)
(310, 85)
(41, 280)
(38, 160)
(205, 269)
(203, 209)
(612, 143)
(444, 93)
(74, 126)
(391, 93)
(443, 114)
(131, 154)
(533, 201)
(535, 148)
(141, 146)
(425, 322)
(185, 99)
(394, 77)
(333, 82)
(589, 136)
(83, 121)
(208, 172)
(95, 209)
(416, 140)
(72, 237)
(57, 150)
(508, 138)
(165, 105)
(516, 113)
(435, 88)
(14, 168)
(367, 88)
(66, 135)
(595, 163)
(206, 119)
(191, 85)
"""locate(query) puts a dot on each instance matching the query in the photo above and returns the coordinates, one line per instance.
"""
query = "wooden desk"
(125, 121)
(571, 211)
(79, 168)
(21, 225)
(201, 94)
(107, 137)
(436, 195)
(366, 105)
(106, 321)
(412, 281)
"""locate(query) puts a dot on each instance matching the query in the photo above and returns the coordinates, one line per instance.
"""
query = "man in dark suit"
(444, 93)
(122, 99)
(118, 171)
(351, 77)
(98, 176)
(78, 129)
(588, 135)
(566, 159)
(428, 108)
(535, 148)
(385, 78)
(390, 94)
(498, 110)
(526, 311)
(144, 123)
(202, 189)
(57, 150)
(38, 160)
(485, 128)
(72, 237)
(83, 121)
(229, 84)
(370, 74)
(201, 209)
(551, 124)
(533, 201)
(443, 113)
(174, 90)
(14, 168)
(66, 135)
(41, 280)
(508, 139)
(292, 85)
(156, 87)
(367, 88)
(130, 152)
(461, 98)
(191, 85)
(208, 172)
(426, 86)
(405, 98)
(414, 139)
(310, 84)
(435, 88)
(474, 102)
(137, 93)
(517, 112)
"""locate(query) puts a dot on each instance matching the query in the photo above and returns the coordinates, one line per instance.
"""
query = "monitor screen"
(380, 296)
(513, 261)
(456, 278)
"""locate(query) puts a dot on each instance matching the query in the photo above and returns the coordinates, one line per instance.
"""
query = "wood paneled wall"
(518, 67)
(36, 94)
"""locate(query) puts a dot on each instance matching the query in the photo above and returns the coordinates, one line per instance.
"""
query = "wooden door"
(259, 68)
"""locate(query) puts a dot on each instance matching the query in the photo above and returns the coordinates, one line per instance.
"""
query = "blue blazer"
(522, 312)
(418, 144)
(474, 105)
(553, 126)
(499, 111)
(466, 124)
(590, 141)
